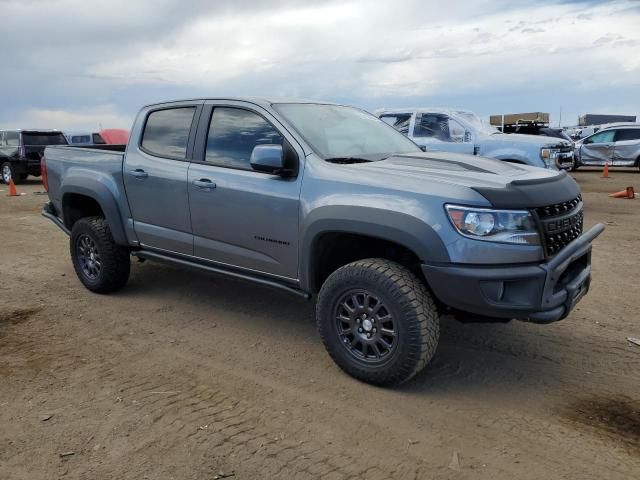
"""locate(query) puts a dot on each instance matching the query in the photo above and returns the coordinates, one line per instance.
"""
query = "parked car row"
(618, 146)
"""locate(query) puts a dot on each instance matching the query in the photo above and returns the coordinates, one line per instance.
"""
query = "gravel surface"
(183, 375)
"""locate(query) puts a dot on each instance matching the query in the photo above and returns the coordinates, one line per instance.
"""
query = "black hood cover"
(531, 193)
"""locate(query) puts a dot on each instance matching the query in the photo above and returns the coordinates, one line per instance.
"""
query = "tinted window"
(628, 134)
(166, 132)
(602, 137)
(42, 139)
(80, 139)
(233, 133)
(97, 139)
(398, 121)
(12, 139)
(439, 127)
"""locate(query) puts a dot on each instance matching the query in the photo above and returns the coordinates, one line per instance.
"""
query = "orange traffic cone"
(12, 189)
(605, 171)
(626, 193)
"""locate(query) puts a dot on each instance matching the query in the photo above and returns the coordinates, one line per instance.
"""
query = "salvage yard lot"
(188, 376)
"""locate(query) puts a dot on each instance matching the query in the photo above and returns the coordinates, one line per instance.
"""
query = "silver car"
(618, 146)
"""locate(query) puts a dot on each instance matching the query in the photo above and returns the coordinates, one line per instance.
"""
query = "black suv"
(21, 151)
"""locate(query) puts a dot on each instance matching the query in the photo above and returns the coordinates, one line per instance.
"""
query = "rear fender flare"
(95, 189)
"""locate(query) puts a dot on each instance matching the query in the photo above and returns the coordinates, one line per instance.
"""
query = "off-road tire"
(115, 262)
(406, 299)
(2, 169)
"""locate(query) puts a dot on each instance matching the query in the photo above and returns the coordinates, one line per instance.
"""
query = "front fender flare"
(408, 231)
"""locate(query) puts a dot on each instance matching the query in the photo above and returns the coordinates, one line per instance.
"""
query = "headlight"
(506, 226)
(549, 156)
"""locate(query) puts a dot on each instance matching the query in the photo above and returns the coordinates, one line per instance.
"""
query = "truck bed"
(69, 166)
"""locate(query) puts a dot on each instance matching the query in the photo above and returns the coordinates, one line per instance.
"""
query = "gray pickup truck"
(462, 131)
(326, 201)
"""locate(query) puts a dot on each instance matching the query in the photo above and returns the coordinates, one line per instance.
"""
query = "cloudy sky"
(83, 63)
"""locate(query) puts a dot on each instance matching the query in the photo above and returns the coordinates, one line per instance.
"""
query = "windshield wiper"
(347, 160)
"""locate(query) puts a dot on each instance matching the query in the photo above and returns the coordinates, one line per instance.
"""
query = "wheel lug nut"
(374, 330)
(360, 330)
(358, 320)
(368, 335)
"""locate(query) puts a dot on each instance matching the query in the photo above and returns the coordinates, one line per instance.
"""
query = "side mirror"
(268, 159)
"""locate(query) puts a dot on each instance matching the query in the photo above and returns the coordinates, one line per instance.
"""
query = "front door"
(441, 133)
(240, 217)
(626, 147)
(598, 148)
(155, 178)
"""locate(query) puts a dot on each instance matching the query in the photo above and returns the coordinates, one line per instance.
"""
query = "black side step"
(159, 257)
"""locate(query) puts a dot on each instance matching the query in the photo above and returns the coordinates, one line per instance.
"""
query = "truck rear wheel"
(101, 265)
(377, 321)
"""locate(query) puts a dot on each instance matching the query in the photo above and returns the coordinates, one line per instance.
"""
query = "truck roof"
(39, 130)
(262, 101)
(422, 110)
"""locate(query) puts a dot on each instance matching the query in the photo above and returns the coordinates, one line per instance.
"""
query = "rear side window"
(628, 134)
(399, 121)
(166, 132)
(80, 139)
(12, 139)
(233, 134)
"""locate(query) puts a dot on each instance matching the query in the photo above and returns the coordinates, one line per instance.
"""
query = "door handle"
(204, 184)
(139, 173)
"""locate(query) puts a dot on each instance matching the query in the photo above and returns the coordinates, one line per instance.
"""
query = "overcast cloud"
(80, 64)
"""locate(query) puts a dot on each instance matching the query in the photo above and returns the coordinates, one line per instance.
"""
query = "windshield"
(476, 123)
(43, 138)
(335, 131)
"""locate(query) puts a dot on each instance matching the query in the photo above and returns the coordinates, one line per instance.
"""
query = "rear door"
(241, 217)
(598, 148)
(155, 177)
(439, 132)
(627, 147)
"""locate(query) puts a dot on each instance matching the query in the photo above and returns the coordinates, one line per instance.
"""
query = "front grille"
(560, 223)
(566, 148)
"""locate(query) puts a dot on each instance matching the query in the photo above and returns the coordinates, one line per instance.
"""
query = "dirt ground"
(183, 375)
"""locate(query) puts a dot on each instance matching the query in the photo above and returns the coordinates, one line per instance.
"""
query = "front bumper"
(541, 293)
(565, 160)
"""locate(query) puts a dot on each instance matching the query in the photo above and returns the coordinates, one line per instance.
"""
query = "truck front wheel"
(101, 265)
(377, 321)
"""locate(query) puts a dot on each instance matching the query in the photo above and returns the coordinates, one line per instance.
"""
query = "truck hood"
(533, 140)
(505, 185)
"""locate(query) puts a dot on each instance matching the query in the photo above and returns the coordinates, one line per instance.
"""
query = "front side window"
(166, 132)
(439, 127)
(233, 134)
(97, 139)
(602, 137)
(399, 121)
(12, 139)
(336, 131)
(626, 134)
